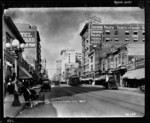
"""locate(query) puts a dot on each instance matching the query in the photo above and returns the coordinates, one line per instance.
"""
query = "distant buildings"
(58, 70)
(102, 44)
(68, 64)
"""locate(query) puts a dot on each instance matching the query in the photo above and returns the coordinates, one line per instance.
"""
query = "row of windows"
(126, 33)
(126, 39)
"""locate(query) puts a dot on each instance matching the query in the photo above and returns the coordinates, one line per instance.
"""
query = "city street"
(87, 101)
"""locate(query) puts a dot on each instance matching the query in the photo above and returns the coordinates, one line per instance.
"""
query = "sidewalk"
(9, 110)
(129, 89)
(12, 111)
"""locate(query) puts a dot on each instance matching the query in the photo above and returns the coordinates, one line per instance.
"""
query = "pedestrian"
(27, 95)
(10, 86)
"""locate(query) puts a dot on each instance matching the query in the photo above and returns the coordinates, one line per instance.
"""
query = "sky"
(59, 28)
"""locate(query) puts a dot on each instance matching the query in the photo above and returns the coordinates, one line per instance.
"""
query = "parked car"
(46, 85)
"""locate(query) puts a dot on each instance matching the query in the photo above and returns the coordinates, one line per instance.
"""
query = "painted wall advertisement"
(30, 38)
(96, 33)
(30, 48)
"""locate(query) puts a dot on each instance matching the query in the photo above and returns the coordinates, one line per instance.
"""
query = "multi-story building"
(85, 50)
(10, 32)
(32, 51)
(58, 70)
(70, 64)
(98, 38)
(78, 58)
(126, 61)
(67, 56)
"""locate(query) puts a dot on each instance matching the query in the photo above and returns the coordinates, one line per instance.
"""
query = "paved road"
(87, 101)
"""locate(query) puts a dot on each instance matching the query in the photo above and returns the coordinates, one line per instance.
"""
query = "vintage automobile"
(108, 81)
(46, 85)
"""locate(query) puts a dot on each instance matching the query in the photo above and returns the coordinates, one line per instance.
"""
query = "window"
(119, 58)
(91, 58)
(91, 67)
(116, 62)
(107, 39)
(127, 33)
(116, 33)
(135, 32)
(116, 39)
(107, 32)
(143, 32)
(143, 39)
(135, 39)
(126, 39)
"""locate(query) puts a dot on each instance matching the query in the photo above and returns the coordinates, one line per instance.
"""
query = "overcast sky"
(59, 28)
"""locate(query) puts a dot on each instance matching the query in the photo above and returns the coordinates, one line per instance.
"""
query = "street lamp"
(17, 48)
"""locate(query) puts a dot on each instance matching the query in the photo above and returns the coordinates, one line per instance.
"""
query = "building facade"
(58, 70)
(122, 60)
(32, 51)
(67, 57)
(97, 39)
(10, 32)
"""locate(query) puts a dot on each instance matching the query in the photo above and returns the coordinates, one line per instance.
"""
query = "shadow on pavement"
(39, 110)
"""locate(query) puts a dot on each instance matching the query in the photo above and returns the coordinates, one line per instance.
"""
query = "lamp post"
(17, 48)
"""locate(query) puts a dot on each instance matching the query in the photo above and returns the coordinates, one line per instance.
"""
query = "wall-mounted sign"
(140, 63)
(131, 66)
(124, 27)
(30, 38)
(96, 33)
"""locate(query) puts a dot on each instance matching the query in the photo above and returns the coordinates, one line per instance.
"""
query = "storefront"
(9, 65)
(135, 77)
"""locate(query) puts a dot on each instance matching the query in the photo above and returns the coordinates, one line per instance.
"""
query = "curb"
(17, 113)
(126, 89)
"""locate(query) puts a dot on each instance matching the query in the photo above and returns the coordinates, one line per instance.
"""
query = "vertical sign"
(96, 33)
(30, 48)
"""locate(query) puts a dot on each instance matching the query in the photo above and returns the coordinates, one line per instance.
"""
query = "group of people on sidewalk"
(24, 89)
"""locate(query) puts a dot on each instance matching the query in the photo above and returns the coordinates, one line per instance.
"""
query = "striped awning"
(135, 74)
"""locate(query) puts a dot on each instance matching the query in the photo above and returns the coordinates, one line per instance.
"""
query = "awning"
(86, 79)
(23, 73)
(135, 74)
(100, 78)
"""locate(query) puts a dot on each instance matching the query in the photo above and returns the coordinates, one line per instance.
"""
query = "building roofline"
(13, 28)
(84, 29)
